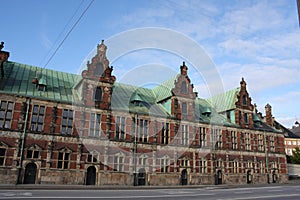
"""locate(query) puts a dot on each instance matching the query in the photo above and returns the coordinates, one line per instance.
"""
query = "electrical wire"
(60, 34)
(86, 9)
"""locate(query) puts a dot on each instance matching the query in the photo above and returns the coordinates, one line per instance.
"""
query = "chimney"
(3, 58)
(269, 118)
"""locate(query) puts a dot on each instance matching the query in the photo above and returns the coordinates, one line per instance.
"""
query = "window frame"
(95, 125)
(120, 131)
(63, 163)
(7, 112)
(67, 128)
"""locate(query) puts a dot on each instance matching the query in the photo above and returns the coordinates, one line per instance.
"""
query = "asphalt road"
(286, 192)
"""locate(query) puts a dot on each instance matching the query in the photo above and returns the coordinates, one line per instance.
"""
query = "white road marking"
(109, 197)
(275, 190)
(262, 197)
(243, 192)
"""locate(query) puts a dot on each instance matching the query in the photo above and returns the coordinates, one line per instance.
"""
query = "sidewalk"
(119, 187)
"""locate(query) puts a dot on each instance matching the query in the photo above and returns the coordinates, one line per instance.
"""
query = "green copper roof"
(163, 91)
(224, 101)
(18, 80)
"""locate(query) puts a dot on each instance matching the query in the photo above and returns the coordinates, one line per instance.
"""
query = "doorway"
(184, 177)
(142, 177)
(91, 176)
(30, 173)
(249, 177)
(219, 177)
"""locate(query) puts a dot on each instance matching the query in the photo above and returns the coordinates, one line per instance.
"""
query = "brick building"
(61, 128)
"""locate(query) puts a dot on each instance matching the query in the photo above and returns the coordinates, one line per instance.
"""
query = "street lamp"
(134, 151)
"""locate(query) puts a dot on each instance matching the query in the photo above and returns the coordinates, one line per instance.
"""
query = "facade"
(88, 129)
(292, 139)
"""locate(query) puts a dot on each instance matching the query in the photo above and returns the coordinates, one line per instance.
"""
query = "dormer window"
(98, 94)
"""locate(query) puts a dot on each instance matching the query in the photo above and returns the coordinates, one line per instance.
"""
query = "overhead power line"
(60, 34)
(72, 28)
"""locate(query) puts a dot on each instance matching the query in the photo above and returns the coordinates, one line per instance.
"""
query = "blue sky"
(258, 40)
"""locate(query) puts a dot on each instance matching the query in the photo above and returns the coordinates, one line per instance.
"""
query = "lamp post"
(267, 157)
(134, 151)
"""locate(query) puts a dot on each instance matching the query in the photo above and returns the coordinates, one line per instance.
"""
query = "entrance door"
(184, 177)
(249, 177)
(91, 176)
(274, 177)
(219, 177)
(142, 177)
(30, 174)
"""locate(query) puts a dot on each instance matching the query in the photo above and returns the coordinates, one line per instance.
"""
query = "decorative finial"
(1, 45)
(102, 41)
(183, 63)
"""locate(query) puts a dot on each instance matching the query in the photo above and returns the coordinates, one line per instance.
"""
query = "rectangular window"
(95, 125)
(164, 165)
(184, 162)
(143, 130)
(272, 146)
(2, 156)
(92, 158)
(203, 166)
(248, 141)
(142, 161)
(262, 167)
(217, 138)
(165, 133)
(184, 135)
(118, 163)
(184, 108)
(120, 128)
(202, 137)
(67, 122)
(234, 140)
(246, 118)
(6, 109)
(63, 160)
(235, 167)
(37, 120)
(32, 154)
(260, 142)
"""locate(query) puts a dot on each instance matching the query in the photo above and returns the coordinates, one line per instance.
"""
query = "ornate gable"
(244, 107)
(183, 96)
(99, 69)
(243, 99)
(183, 86)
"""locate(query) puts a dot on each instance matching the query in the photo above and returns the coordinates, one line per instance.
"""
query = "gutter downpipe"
(267, 157)
(19, 181)
(134, 152)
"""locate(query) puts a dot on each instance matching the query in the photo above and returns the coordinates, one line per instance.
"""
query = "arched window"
(183, 87)
(98, 94)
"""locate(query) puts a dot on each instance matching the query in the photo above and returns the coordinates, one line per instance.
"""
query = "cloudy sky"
(258, 40)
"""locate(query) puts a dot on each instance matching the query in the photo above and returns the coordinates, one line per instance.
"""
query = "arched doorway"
(91, 175)
(249, 177)
(142, 177)
(30, 174)
(184, 177)
(274, 177)
(219, 177)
